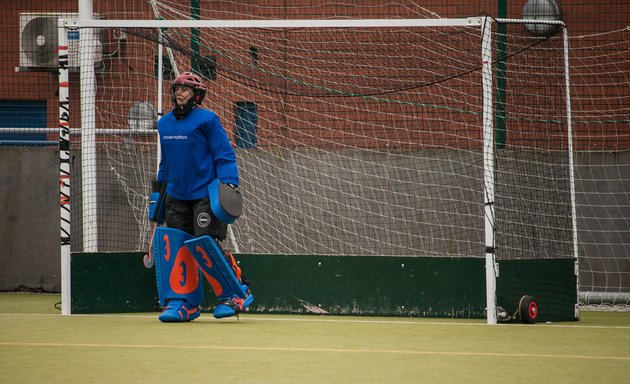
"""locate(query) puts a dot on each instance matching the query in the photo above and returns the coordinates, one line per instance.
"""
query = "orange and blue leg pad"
(233, 295)
(177, 275)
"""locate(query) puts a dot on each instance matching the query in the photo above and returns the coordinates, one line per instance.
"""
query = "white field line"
(315, 350)
(331, 319)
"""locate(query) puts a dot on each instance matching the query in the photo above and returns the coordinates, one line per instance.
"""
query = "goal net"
(352, 137)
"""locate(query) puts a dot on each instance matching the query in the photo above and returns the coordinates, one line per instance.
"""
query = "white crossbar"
(369, 23)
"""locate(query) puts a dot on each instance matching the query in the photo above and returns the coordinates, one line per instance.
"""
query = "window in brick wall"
(19, 119)
(246, 124)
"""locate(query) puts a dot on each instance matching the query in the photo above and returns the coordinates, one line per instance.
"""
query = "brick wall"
(600, 88)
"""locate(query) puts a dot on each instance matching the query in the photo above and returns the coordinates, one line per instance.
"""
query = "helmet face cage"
(194, 82)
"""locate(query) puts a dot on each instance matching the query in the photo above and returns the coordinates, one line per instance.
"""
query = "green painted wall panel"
(340, 285)
(384, 286)
(552, 282)
(112, 282)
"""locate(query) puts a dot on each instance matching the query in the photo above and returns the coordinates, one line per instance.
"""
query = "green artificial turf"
(38, 344)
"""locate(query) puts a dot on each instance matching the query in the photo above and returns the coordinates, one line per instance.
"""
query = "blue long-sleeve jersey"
(195, 151)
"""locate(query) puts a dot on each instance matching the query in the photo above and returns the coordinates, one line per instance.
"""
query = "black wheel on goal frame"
(528, 309)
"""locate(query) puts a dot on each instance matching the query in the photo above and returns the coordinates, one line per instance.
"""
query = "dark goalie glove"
(156, 201)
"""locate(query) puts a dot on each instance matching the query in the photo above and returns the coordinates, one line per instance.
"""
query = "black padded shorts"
(194, 217)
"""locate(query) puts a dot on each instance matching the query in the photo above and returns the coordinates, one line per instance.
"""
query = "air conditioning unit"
(39, 40)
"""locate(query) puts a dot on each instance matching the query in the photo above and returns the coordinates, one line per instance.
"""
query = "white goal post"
(455, 214)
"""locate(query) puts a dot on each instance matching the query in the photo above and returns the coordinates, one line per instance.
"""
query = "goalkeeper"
(195, 153)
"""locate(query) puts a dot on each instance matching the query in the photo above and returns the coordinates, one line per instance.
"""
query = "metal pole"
(88, 131)
(488, 170)
(501, 66)
(567, 91)
(64, 170)
(195, 59)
